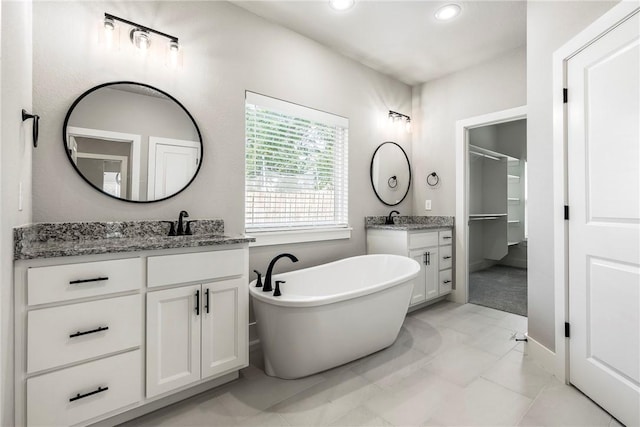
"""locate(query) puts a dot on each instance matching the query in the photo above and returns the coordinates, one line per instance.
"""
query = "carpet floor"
(500, 287)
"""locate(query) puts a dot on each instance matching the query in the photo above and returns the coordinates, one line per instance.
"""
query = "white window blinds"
(295, 166)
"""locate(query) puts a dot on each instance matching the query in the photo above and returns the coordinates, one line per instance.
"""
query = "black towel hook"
(36, 119)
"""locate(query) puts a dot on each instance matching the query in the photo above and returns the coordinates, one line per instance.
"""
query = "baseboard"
(541, 354)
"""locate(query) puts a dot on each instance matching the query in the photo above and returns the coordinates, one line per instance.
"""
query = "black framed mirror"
(132, 141)
(390, 173)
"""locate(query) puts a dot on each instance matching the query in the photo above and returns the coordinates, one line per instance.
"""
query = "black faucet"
(180, 231)
(389, 220)
(267, 281)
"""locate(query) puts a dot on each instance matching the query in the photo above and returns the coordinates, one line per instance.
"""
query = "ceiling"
(402, 38)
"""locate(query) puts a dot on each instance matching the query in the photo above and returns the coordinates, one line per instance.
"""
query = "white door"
(172, 164)
(224, 327)
(419, 285)
(604, 226)
(173, 338)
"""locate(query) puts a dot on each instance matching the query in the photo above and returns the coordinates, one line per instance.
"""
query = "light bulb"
(341, 4)
(109, 25)
(140, 39)
(407, 125)
(450, 11)
(173, 54)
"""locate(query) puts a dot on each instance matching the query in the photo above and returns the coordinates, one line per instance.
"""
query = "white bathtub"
(333, 313)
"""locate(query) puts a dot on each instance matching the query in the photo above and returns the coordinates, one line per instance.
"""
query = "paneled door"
(173, 338)
(172, 164)
(224, 341)
(604, 227)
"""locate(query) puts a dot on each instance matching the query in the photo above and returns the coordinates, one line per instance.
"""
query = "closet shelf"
(514, 221)
(513, 199)
(513, 177)
(512, 243)
(494, 155)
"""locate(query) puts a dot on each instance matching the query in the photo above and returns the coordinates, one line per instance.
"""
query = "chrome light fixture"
(395, 117)
(140, 35)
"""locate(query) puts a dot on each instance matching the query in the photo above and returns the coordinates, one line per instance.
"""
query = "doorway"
(496, 192)
(465, 128)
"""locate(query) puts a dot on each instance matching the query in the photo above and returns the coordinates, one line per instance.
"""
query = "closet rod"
(484, 155)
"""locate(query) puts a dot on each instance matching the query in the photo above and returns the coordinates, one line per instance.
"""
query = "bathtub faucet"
(267, 281)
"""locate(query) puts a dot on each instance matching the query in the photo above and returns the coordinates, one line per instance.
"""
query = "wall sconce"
(141, 36)
(395, 117)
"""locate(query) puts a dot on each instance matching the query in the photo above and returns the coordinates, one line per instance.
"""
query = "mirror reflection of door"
(172, 164)
(107, 172)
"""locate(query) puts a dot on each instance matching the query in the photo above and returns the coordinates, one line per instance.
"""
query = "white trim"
(135, 140)
(460, 294)
(123, 168)
(597, 29)
(151, 162)
(271, 238)
(541, 354)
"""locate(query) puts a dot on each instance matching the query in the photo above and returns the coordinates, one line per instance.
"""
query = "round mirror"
(390, 173)
(132, 141)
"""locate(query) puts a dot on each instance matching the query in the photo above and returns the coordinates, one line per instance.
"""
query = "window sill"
(272, 238)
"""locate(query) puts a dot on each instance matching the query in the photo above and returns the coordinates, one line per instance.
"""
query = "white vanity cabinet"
(196, 331)
(431, 249)
(119, 335)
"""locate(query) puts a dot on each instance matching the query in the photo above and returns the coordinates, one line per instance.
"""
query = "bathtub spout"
(267, 281)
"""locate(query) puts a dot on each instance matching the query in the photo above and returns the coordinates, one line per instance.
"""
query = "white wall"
(227, 50)
(15, 168)
(549, 26)
(495, 85)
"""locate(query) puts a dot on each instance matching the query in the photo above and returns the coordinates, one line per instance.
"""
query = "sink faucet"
(389, 220)
(267, 281)
(183, 214)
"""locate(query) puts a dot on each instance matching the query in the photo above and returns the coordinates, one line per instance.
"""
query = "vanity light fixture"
(448, 12)
(341, 5)
(140, 35)
(395, 117)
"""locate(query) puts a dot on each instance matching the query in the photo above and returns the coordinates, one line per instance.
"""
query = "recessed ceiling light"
(341, 4)
(448, 12)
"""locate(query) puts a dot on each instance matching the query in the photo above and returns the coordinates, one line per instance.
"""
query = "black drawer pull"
(93, 331)
(446, 257)
(446, 281)
(198, 302)
(206, 303)
(91, 393)
(446, 237)
(97, 279)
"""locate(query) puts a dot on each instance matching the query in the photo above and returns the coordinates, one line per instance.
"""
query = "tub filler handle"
(276, 292)
(259, 281)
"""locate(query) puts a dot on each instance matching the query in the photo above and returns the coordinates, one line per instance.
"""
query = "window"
(295, 171)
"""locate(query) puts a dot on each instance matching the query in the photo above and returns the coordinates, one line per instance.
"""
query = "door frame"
(611, 19)
(461, 293)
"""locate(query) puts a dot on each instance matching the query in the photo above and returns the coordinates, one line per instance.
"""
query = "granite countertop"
(410, 223)
(49, 240)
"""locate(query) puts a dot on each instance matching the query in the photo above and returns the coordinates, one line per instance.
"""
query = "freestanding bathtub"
(333, 313)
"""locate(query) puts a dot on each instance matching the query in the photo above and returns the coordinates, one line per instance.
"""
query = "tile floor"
(452, 365)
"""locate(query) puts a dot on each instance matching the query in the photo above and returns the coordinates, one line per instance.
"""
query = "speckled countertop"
(49, 240)
(409, 222)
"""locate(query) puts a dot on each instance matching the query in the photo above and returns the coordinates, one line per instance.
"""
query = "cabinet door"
(173, 339)
(225, 323)
(419, 284)
(431, 274)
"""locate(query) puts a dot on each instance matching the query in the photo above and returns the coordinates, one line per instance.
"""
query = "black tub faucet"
(267, 281)
(183, 214)
(389, 220)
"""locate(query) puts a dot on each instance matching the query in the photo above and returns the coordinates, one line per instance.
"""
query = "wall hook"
(36, 120)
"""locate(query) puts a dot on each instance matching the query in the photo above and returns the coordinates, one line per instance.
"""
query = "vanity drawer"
(445, 257)
(445, 282)
(446, 237)
(72, 281)
(194, 267)
(422, 240)
(52, 333)
(65, 397)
